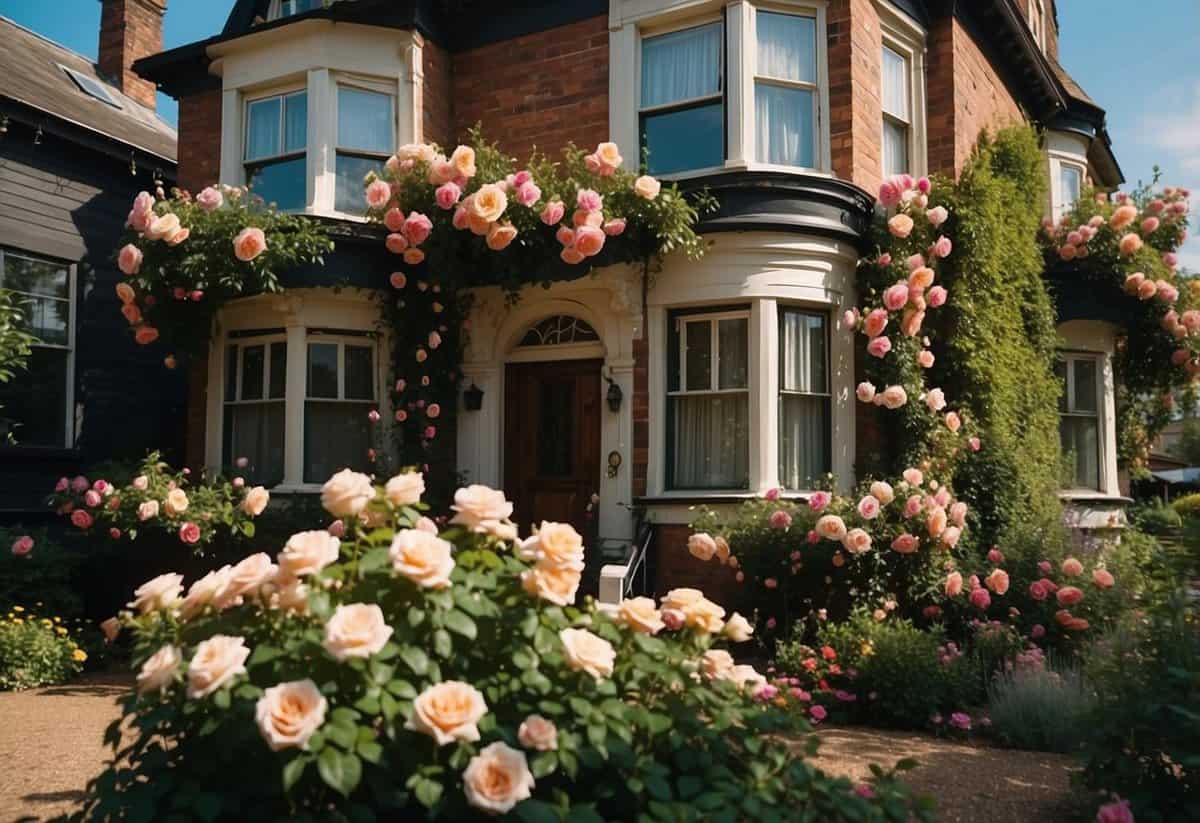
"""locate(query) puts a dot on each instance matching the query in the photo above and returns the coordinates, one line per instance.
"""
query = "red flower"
(189, 533)
(828, 653)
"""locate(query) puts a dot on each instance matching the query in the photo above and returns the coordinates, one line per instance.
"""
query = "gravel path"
(50, 746)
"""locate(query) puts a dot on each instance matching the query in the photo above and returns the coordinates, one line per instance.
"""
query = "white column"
(843, 401)
(480, 433)
(624, 87)
(656, 329)
(765, 334)
(739, 52)
(322, 138)
(233, 172)
(410, 103)
(616, 435)
(293, 426)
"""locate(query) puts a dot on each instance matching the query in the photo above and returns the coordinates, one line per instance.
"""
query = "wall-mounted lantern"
(614, 396)
(473, 398)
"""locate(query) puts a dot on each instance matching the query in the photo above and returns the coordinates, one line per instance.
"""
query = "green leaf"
(543, 764)
(221, 699)
(402, 689)
(294, 770)
(658, 788)
(343, 736)
(248, 528)
(415, 658)
(443, 646)
(367, 705)
(535, 811)
(427, 791)
(340, 771)
(371, 752)
(459, 623)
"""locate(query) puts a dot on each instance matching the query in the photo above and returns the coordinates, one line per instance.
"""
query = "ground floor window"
(1079, 418)
(804, 398)
(339, 394)
(36, 405)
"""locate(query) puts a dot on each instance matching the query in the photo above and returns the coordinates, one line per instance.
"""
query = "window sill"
(1092, 496)
(297, 488)
(736, 166)
(677, 498)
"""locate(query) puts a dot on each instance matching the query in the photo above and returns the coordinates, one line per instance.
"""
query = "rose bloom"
(910, 324)
(145, 335)
(394, 220)
(937, 521)
(905, 544)
(217, 661)
(417, 228)
(681, 597)
(997, 581)
(552, 214)
(954, 584)
(738, 629)
(308, 552)
(378, 194)
(953, 422)
(477, 506)
(980, 599)
(249, 244)
(704, 616)
(176, 502)
(646, 187)
(1068, 596)
(896, 296)
(158, 593)
(1115, 812)
(937, 216)
(497, 779)
(925, 359)
(288, 714)
(147, 510)
(159, 671)
(780, 520)
(405, 489)
(702, 546)
(589, 240)
(1103, 579)
(641, 615)
(129, 261)
(210, 199)
(935, 399)
(356, 630)
(857, 541)
(876, 321)
(958, 515)
(586, 652)
(554, 544)
(413, 256)
(717, 664)
(205, 591)
(901, 226)
(1072, 567)
(22, 546)
(883, 492)
(423, 558)
(163, 227)
(488, 203)
(831, 527)
(463, 161)
(865, 392)
(1131, 244)
(256, 501)
(1123, 216)
(248, 576)
(347, 493)
(893, 397)
(1037, 591)
(189, 533)
(868, 507)
(557, 584)
(879, 347)
(723, 551)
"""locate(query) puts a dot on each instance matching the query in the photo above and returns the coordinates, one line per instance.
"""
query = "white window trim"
(298, 312)
(1058, 161)
(71, 424)
(828, 394)
(275, 10)
(282, 93)
(352, 81)
(1037, 22)
(906, 37)
(1069, 357)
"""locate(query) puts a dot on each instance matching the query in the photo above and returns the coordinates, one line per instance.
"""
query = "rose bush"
(37, 651)
(397, 670)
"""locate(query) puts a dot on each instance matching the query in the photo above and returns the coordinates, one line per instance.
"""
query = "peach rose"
(680, 598)
(646, 187)
(831, 527)
(586, 652)
(249, 244)
(487, 204)
(163, 226)
(145, 335)
(423, 558)
(288, 714)
(1130, 244)
(857, 541)
(723, 550)
(1123, 216)
(448, 711)
(901, 226)
(160, 670)
(356, 630)
(147, 510)
(176, 502)
(111, 628)
(937, 521)
(248, 576)
(158, 593)
(997, 581)
(478, 508)
(954, 584)
(500, 236)
(704, 616)
(875, 322)
(307, 553)
(347, 493)
(538, 733)
(557, 584)
(553, 544)
(865, 392)
(609, 155)
(288, 594)
(1103, 579)
(893, 397)
(131, 313)
(717, 664)
(905, 544)
(497, 779)
(463, 161)
(1068, 595)
(641, 615)
(405, 489)
(205, 591)
(217, 661)
(256, 501)
(738, 629)
(883, 492)
(589, 240)
(702, 546)
(125, 293)
(552, 214)
(378, 194)
(129, 261)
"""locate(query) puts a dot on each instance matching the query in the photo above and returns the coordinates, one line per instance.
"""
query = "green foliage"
(15, 342)
(47, 571)
(1041, 709)
(36, 650)
(1156, 517)
(1187, 506)
(1145, 731)
(1188, 447)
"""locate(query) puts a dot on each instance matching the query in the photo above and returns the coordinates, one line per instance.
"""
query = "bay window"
(275, 149)
(708, 398)
(36, 405)
(366, 135)
(1066, 184)
(804, 398)
(1079, 409)
(786, 113)
(255, 395)
(339, 394)
(682, 117)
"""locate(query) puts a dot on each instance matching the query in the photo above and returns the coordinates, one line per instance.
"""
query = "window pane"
(1070, 182)
(278, 386)
(255, 432)
(895, 148)
(685, 140)
(787, 46)
(336, 437)
(262, 132)
(41, 277)
(711, 443)
(295, 136)
(253, 367)
(290, 7)
(365, 120)
(33, 405)
(1081, 448)
(231, 375)
(894, 71)
(732, 344)
(360, 379)
(682, 65)
(804, 433)
(1060, 371)
(351, 183)
(1085, 385)
(698, 355)
(784, 121)
(802, 356)
(283, 183)
(322, 370)
(47, 320)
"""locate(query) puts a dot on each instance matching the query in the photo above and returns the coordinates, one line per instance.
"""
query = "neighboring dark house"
(78, 140)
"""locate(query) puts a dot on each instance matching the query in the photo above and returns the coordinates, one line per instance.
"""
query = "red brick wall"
(675, 567)
(856, 114)
(545, 89)
(199, 140)
(129, 31)
(436, 97)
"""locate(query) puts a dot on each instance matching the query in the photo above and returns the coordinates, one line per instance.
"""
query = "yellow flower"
(61, 631)
(17, 621)
(47, 622)
(58, 620)
(80, 655)
(18, 609)
(866, 650)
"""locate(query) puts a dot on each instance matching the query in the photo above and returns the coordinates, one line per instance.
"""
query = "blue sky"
(1140, 66)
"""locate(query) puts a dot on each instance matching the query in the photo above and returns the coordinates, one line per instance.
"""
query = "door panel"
(552, 441)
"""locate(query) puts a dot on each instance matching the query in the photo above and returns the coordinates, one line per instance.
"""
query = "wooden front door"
(552, 441)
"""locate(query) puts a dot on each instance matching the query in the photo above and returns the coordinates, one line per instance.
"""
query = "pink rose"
(850, 319)
(975, 443)
(80, 519)
(1037, 591)
(893, 397)
(890, 192)
(980, 599)
(937, 297)
(417, 228)
(1103, 579)
(953, 422)
(249, 244)
(92, 498)
(942, 247)
(589, 200)
(447, 195)
(528, 193)
(552, 214)
(398, 280)
(817, 713)
(22, 546)
(189, 533)
(413, 256)
(868, 508)
(394, 220)
(819, 501)
(781, 520)
(378, 194)
(129, 261)
(1038, 631)
(885, 260)
(879, 347)
(396, 243)
(913, 506)
(997, 581)
(571, 255)
(910, 324)
(865, 392)
(925, 359)
(876, 322)
(935, 399)
(1116, 812)
(937, 216)
(210, 199)
(1072, 567)
(1068, 595)
(615, 227)
(896, 297)
(996, 556)
(589, 240)
(772, 495)
(905, 544)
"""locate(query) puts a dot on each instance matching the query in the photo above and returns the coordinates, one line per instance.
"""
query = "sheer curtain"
(804, 399)
(895, 78)
(365, 124)
(787, 47)
(1081, 444)
(712, 441)
(785, 115)
(255, 431)
(263, 135)
(682, 65)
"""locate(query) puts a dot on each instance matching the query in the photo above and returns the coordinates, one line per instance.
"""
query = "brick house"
(730, 381)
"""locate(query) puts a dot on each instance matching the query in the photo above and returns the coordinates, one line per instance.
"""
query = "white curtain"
(365, 120)
(784, 124)
(255, 431)
(1081, 444)
(895, 84)
(712, 441)
(895, 148)
(295, 117)
(1070, 183)
(262, 137)
(682, 65)
(787, 46)
(804, 401)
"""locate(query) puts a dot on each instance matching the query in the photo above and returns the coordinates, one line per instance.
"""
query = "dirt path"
(50, 746)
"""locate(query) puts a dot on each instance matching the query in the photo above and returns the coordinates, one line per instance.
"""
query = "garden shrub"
(36, 650)
(45, 570)
(1043, 708)
(1144, 741)
(1187, 506)
(400, 673)
(1156, 517)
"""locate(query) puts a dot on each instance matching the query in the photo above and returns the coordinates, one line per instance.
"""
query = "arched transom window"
(559, 330)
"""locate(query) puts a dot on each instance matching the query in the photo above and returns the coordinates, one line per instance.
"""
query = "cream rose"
(679, 598)
(738, 629)
(463, 160)
(479, 508)
(609, 154)
(646, 187)
(288, 714)
(248, 576)
(448, 711)
(717, 664)
(347, 493)
(307, 553)
(883, 492)
(289, 594)
(423, 558)
(159, 593)
(204, 591)
(405, 489)
(704, 616)
(554, 584)
(538, 733)
(497, 779)
(256, 501)
(554, 544)
(831, 527)
(163, 227)
(159, 671)
(147, 510)
(217, 661)
(356, 630)
(488, 204)
(176, 502)
(588, 653)
(702, 546)
(640, 614)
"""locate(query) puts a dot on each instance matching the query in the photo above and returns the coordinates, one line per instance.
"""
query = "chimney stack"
(129, 31)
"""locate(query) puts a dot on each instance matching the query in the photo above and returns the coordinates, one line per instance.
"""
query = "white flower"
(356, 630)
(738, 629)
(159, 670)
(347, 493)
(588, 653)
(217, 661)
(448, 711)
(307, 553)
(159, 593)
(423, 558)
(288, 714)
(256, 501)
(405, 489)
(497, 779)
(538, 733)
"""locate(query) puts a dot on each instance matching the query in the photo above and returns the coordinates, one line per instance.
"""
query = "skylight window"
(91, 87)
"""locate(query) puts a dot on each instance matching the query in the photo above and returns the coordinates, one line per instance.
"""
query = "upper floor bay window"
(897, 112)
(1080, 428)
(682, 118)
(37, 405)
(1066, 184)
(1037, 22)
(275, 149)
(366, 135)
(804, 398)
(286, 8)
(786, 111)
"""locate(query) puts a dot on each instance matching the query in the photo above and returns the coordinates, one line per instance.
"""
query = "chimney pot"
(129, 31)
